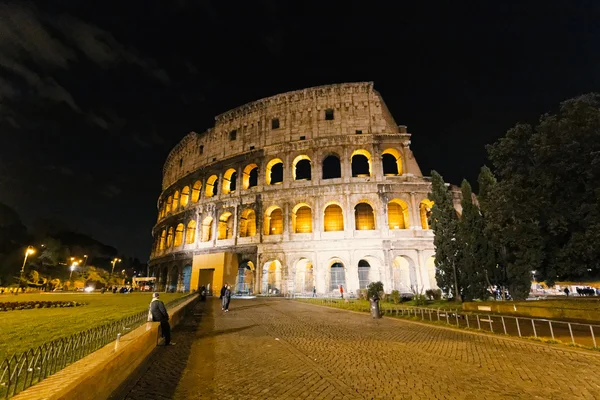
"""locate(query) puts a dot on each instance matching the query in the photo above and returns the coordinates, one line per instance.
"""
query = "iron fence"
(574, 333)
(21, 371)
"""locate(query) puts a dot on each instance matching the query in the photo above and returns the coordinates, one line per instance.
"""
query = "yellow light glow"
(30, 251)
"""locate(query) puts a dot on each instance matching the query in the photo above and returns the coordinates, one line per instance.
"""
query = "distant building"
(312, 188)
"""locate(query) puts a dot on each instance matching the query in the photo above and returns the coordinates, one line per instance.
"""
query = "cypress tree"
(474, 248)
(444, 223)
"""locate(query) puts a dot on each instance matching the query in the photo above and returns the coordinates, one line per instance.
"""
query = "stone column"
(415, 217)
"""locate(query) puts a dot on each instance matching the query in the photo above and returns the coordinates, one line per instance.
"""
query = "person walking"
(314, 291)
(159, 313)
(226, 298)
(342, 291)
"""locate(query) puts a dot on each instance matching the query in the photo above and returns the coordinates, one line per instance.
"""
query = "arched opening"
(331, 167)
(273, 224)
(302, 219)
(185, 196)
(392, 162)
(169, 204)
(211, 186)
(361, 163)
(207, 229)
(337, 277)
(364, 270)
(305, 281)
(245, 278)
(163, 278)
(229, 181)
(163, 237)
(248, 223)
(271, 280)
(364, 217)
(334, 218)
(187, 278)
(196, 191)
(301, 168)
(402, 274)
(275, 172)
(398, 215)
(178, 235)
(225, 226)
(425, 213)
(190, 234)
(170, 238)
(250, 178)
(172, 280)
(175, 201)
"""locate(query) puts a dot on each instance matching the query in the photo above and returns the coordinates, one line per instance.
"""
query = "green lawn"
(24, 329)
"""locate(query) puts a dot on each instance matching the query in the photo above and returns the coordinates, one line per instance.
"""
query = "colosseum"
(310, 190)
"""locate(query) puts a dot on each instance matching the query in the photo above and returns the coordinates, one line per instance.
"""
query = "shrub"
(420, 299)
(433, 294)
(375, 288)
(395, 296)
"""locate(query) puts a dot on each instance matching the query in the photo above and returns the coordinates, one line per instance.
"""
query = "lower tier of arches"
(324, 272)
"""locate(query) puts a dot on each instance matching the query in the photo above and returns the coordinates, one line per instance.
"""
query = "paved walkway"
(276, 349)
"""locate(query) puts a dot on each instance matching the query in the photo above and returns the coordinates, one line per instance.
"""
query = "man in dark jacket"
(160, 314)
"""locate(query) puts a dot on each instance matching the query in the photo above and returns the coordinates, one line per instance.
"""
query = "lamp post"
(114, 262)
(84, 260)
(30, 250)
(73, 266)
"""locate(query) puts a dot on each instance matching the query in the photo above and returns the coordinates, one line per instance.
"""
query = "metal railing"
(574, 333)
(21, 371)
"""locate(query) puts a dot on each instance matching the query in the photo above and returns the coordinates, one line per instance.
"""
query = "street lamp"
(30, 250)
(73, 266)
(84, 260)
(114, 262)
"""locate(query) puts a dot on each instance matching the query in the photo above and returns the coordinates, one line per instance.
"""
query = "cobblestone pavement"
(281, 349)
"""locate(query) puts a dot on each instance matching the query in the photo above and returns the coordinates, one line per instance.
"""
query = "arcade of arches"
(407, 273)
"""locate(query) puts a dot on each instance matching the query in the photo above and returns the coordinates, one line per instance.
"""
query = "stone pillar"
(415, 217)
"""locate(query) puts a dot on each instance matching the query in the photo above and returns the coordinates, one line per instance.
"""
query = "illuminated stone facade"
(314, 188)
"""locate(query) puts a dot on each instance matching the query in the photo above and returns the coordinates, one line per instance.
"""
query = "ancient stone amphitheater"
(315, 189)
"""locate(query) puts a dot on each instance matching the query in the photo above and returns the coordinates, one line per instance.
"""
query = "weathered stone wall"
(361, 123)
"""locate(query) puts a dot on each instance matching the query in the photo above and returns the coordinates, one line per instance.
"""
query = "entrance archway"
(271, 279)
(337, 276)
(187, 277)
(245, 278)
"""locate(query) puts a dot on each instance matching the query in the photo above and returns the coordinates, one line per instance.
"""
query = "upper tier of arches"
(361, 166)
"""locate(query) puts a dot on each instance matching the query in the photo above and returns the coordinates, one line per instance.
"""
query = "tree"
(474, 248)
(444, 223)
(546, 207)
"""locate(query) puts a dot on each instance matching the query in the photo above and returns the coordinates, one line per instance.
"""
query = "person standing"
(223, 289)
(342, 291)
(160, 314)
(314, 291)
(226, 298)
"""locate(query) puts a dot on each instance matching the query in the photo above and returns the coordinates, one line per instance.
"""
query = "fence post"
(447, 318)
(438, 313)
(518, 327)
(422, 316)
(467, 319)
(593, 337)
(478, 323)
(551, 330)
(503, 325)
(490, 320)
(571, 332)
(430, 317)
(534, 331)
(457, 324)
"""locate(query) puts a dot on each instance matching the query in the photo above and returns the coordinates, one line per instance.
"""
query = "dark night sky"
(93, 97)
